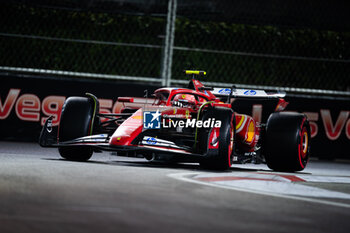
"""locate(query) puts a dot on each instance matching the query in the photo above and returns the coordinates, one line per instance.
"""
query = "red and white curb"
(291, 186)
(277, 183)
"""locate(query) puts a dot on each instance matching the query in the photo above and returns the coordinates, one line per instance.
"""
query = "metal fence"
(155, 40)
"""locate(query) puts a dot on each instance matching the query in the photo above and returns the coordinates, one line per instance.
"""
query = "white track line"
(184, 177)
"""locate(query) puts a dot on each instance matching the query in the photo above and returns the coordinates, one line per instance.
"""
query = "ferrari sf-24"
(193, 124)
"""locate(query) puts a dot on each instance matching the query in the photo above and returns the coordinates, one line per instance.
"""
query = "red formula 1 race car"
(193, 124)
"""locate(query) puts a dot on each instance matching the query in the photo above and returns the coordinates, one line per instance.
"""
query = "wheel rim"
(304, 143)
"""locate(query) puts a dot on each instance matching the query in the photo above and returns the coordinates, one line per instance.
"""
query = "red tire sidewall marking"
(230, 145)
(300, 146)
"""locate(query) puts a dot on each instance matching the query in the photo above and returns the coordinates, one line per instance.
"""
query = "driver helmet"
(190, 99)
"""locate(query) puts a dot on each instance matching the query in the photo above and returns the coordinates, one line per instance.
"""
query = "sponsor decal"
(49, 125)
(187, 114)
(225, 91)
(151, 141)
(250, 92)
(151, 119)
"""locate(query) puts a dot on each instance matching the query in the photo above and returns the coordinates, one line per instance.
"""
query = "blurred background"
(290, 44)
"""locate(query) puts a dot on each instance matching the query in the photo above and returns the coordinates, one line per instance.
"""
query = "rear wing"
(247, 93)
(232, 92)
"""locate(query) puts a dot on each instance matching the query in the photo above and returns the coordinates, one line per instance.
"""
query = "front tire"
(287, 146)
(76, 121)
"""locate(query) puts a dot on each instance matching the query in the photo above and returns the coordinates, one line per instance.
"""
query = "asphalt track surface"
(39, 192)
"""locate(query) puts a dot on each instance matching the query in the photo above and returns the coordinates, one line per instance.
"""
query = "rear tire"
(220, 158)
(287, 145)
(76, 121)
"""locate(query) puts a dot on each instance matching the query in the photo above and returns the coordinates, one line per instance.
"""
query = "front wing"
(100, 142)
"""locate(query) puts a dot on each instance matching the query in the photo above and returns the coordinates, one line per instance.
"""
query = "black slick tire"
(287, 141)
(76, 121)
